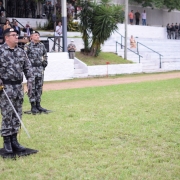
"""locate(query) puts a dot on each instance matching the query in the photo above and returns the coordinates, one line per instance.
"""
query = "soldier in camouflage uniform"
(37, 54)
(13, 63)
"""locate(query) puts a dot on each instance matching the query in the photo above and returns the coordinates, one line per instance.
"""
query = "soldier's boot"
(15, 144)
(34, 109)
(40, 108)
(7, 144)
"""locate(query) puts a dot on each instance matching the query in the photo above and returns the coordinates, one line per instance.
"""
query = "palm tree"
(100, 22)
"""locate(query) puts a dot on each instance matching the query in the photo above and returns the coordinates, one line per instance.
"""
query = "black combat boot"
(7, 144)
(40, 108)
(34, 110)
(15, 145)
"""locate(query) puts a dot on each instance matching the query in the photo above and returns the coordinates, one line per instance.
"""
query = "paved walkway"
(95, 82)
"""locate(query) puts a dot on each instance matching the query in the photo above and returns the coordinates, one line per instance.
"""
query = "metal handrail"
(50, 37)
(13, 18)
(151, 50)
(121, 39)
(129, 50)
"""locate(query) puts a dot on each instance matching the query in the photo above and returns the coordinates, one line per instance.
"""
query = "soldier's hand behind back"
(44, 64)
(29, 86)
(1, 85)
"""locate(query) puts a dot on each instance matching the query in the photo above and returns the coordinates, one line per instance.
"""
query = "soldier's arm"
(27, 68)
(45, 57)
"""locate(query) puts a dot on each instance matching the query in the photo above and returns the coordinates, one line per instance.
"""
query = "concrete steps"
(80, 69)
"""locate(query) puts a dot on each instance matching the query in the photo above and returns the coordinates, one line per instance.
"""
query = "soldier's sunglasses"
(14, 35)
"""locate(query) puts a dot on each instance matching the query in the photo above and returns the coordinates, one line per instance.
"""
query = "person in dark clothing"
(1, 9)
(168, 27)
(27, 30)
(172, 30)
(176, 30)
(137, 17)
(17, 28)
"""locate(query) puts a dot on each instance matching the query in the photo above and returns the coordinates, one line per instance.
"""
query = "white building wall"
(155, 17)
(103, 70)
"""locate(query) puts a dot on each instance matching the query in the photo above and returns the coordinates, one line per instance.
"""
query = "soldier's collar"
(7, 47)
(35, 44)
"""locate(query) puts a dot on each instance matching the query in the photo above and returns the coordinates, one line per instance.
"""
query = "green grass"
(128, 131)
(102, 59)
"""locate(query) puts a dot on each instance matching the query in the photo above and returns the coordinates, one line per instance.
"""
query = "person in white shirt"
(144, 18)
(58, 34)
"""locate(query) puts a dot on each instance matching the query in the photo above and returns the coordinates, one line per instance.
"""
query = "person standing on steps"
(13, 63)
(131, 17)
(137, 17)
(37, 55)
(143, 15)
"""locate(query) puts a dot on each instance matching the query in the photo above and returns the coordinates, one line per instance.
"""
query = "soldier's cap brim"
(9, 30)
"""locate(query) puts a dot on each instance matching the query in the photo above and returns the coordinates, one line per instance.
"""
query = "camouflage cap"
(8, 30)
(34, 32)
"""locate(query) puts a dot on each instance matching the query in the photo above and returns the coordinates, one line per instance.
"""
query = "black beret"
(34, 32)
(8, 30)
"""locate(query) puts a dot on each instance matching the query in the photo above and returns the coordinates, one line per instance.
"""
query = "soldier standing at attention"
(13, 63)
(37, 54)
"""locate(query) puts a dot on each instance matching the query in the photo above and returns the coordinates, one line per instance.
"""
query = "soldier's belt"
(5, 81)
(36, 65)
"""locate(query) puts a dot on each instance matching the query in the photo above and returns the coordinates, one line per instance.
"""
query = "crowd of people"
(173, 31)
(23, 38)
(137, 16)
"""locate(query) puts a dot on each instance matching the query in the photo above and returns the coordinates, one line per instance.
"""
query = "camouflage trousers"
(10, 123)
(36, 90)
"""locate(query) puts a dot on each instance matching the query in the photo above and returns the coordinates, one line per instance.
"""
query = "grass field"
(121, 132)
(102, 59)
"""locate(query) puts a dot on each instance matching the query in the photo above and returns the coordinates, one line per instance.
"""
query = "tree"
(169, 4)
(97, 22)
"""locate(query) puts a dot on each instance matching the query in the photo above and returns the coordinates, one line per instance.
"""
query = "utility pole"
(64, 24)
(126, 22)
(55, 17)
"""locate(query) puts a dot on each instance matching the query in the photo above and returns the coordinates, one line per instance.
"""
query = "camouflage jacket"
(37, 55)
(13, 63)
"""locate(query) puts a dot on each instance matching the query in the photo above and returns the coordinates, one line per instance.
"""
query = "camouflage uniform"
(37, 54)
(12, 65)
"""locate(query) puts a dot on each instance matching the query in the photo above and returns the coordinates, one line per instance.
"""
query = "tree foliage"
(97, 22)
(169, 4)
